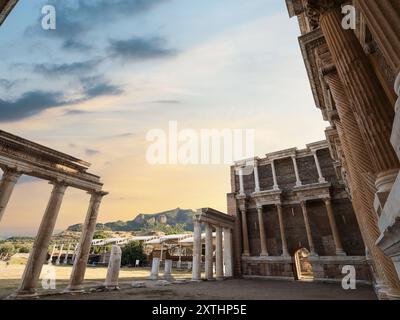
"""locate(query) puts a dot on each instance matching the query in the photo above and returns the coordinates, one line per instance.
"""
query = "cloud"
(91, 152)
(7, 84)
(77, 18)
(96, 86)
(167, 101)
(29, 104)
(137, 48)
(34, 102)
(74, 112)
(67, 68)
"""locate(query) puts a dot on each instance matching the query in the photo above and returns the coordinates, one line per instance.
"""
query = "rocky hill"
(175, 217)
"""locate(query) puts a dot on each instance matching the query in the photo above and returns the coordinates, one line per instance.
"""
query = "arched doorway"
(303, 265)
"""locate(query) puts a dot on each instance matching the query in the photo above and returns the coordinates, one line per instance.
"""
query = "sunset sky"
(113, 70)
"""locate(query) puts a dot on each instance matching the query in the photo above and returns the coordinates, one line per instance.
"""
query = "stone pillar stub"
(155, 268)
(114, 266)
(168, 270)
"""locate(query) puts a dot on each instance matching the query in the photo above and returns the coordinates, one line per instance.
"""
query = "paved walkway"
(247, 289)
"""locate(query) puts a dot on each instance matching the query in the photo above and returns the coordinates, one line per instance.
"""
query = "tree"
(100, 234)
(7, 249)
(131, 252)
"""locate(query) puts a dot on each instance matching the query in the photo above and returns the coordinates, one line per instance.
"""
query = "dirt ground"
(183, 288)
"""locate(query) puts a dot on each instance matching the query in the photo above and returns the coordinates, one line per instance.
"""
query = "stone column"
(85, 242)
(256, 177)
(308, 228)
(361, 178)
(219, 264)
(372, 107)
(383, 20)
(228, 258)
(241, 183)
(59, 254)
(263, 239)
(335, 232)
(7, 184)
(246, 247)
(51, 254)
(114, 266)
(209, 252)
(321, 178)
(196, 267)
(74, 254)
(285, 251)
(67, 254)
(155, 268)
(276, 186)
(38, 254)
(168, 270)
(180, 257)
(296, 171)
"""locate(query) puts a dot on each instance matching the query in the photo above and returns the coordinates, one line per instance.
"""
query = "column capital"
(314, 9)
(11, 174)
(259, 206)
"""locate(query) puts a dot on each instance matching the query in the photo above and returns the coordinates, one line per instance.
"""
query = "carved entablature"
(313, 192)
(42, 162)
(267, 197)
(309, 44)
(214, 217)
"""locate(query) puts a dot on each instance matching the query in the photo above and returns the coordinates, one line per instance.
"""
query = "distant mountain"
(173, 217)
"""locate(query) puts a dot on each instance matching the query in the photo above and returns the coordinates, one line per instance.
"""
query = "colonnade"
(263, 209)
(299, 183)
(223, 249)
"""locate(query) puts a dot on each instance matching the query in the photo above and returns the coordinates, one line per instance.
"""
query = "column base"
(154, 277)
(74, 289)
(23, 295)
(384, 183)
(322, 180)
(264, 254)
(168, 277)
(246, 254)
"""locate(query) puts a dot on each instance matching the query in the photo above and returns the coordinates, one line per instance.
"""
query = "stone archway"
(303, 265)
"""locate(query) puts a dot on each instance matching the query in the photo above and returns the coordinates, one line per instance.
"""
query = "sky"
(114, 70)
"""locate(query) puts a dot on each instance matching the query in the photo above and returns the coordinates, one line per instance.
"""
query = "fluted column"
(219, 262)
(263, 240)
(209, 252)
(308, 228)
(296, 171)
(256, 177)
(245, 234)
(285, 251)
(276, 186)
(85, 242)
(383, 20)
(360, 174)
(38, 254)
(321, 178)
(375, 114)
(228, 258)
(196, 267)
(7, 184)
(334, 229)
